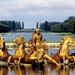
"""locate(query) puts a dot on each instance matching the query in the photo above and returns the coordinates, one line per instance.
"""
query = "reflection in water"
(46, 70)
(38, 70)
(58, 70)
(3, 70)
(64, 70)
(19, 70)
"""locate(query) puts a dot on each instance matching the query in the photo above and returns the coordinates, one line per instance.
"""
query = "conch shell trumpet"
(40, 53)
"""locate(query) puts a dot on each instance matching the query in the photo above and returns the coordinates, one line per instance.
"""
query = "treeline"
(6, 26)
(67, 26)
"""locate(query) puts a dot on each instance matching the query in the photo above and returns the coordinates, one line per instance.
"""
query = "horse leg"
(48, 57)
(45, 61)
(73, 58)
(27, 58)
(15, 61)
(19, 60)
(65, 61)
(9, 58)
(55, 57)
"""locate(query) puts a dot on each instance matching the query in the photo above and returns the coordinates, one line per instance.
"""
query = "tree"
(37, 25)
(72, 22)
(22, 25)
(42, 26)
(18, 25)
(45, 25)
(4, 28)
(13, 26)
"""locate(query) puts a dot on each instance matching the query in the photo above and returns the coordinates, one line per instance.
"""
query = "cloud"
(35, 5)
(35, 10)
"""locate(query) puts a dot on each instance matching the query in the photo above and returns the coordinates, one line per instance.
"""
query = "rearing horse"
(20, 51)
(63, 52)
(4, 55)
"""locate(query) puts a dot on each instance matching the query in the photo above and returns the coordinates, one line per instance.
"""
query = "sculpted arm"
(34, 40)
(42, 39)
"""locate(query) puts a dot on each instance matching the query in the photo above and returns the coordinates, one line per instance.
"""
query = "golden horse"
(20, 53)
(4, 55)
(63, 52)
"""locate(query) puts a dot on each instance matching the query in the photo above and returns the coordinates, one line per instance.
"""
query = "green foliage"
(47, 25)
(47, 41)
(18, 26)
(6, 26)
(22, 25)
(37, 25)
(12, 41)
(52, 41)
(67, 26)
(72, 22)
(13, 26)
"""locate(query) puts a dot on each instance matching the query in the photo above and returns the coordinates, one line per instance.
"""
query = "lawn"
(47, 41)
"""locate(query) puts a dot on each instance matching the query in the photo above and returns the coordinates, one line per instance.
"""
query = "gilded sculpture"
(37, 50)
(20, 53)
(40, 54)
(4, 55)
(63, 52)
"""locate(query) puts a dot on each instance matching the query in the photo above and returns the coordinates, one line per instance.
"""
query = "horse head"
(19, 40)
(68, 40)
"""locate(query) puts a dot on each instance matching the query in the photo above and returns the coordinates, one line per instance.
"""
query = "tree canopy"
(67, 26)
(6, 26)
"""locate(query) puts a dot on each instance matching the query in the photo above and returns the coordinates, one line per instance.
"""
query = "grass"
(9, 41)
(12, 41)
(52, 41)
(47, 41)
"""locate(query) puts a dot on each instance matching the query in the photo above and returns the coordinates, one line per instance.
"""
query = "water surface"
(46, 70)
(27, 36)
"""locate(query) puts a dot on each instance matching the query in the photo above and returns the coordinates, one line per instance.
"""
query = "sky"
(32, 11)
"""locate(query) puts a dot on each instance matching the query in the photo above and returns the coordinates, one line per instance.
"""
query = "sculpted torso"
(38, 39)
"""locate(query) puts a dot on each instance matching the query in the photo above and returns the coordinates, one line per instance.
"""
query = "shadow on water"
(37, 65)
(38, 70)
(45, 70)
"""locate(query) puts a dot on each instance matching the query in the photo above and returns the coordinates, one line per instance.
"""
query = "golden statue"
(63, 52)
(20, 53)
(4, 55)
(37, 38)
(40, 54)
(31, 48)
